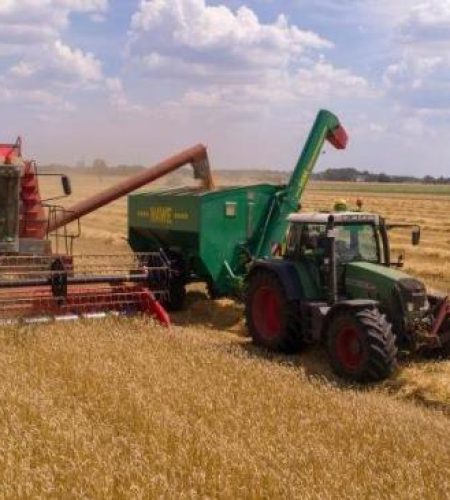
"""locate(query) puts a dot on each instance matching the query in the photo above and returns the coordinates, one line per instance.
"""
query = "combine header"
(37, 284)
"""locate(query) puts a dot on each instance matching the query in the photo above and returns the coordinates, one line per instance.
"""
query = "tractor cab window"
(353, 242)
(356, 242)
(306, 239)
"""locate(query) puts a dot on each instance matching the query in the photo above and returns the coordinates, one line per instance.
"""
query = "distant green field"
(369, 187)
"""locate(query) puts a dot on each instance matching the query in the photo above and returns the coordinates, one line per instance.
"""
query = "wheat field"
(123, 408)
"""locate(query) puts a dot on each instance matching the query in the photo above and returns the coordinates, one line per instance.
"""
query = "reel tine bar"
(122, 284)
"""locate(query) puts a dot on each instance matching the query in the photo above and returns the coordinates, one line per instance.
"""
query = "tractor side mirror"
(66, 185)
(415, 236)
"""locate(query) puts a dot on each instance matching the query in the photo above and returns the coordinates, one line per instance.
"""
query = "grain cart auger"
(306, 277)
(38, 284)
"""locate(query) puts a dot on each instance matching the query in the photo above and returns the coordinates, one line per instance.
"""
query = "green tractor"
(335, 284)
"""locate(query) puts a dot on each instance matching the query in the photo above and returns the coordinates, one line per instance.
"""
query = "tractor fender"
(285, 271)
(346, 305)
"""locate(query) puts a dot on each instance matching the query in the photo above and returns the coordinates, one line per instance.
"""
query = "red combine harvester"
(38, 282)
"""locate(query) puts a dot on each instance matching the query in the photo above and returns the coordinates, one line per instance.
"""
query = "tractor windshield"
(356, 242)
(353, 242)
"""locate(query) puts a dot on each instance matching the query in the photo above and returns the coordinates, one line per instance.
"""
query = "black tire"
(177, 295)
(361, 346)
(272, 320)
(177, 284)
(213, 294)
(445, 351)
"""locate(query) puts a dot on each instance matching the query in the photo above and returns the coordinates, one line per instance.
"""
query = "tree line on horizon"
(354, 175)
(100, 167)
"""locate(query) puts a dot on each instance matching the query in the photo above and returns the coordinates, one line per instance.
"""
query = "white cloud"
(429, 14)
(74, 62)
(325, 79)
(412, 71)
(58, 66)
(45, 68)
(214, 38)
(118, 98)
(231, 58)
(418, 74)
(25, 21)
(195, 24)
(23, 69)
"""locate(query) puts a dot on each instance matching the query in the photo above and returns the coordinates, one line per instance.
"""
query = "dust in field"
(124, 408)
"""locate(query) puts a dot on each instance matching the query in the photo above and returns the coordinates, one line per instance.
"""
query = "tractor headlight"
(413, 293)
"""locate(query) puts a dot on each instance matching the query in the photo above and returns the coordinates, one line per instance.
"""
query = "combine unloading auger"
(37, 284)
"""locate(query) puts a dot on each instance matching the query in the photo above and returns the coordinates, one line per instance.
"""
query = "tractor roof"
(339, 217)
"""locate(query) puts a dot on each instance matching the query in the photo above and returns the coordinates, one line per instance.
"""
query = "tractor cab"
(358, 237)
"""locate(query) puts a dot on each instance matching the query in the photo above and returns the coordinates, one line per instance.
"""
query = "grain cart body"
(208, 228)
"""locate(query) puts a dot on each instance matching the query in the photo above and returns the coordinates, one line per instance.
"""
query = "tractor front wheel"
(361, 345)
(272, 320)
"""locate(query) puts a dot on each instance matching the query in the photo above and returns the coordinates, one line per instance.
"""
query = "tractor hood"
(374, 281)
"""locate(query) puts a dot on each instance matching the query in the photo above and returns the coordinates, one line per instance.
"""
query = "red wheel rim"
(349, 347)
(266, 312)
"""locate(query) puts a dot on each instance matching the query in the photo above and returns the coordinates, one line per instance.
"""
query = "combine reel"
(75, 288)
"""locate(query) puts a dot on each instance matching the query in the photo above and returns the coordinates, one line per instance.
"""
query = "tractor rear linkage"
(435, 338)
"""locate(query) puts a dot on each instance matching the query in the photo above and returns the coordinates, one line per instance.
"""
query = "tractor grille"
(413, 292)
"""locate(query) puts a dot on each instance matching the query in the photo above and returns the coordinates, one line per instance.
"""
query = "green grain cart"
(305, 278)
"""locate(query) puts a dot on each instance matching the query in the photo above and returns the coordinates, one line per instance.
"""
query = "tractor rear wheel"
(361, 345)
(273, 321)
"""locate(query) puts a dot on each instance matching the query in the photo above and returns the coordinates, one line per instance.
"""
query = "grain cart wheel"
(177, 284)
(177, 295)
(273, 321)
(213, 294)
(361, 345)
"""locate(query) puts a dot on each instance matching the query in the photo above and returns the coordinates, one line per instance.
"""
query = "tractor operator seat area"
(354, 240)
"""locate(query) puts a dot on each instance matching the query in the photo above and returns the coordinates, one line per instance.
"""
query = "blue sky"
(133, 81)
